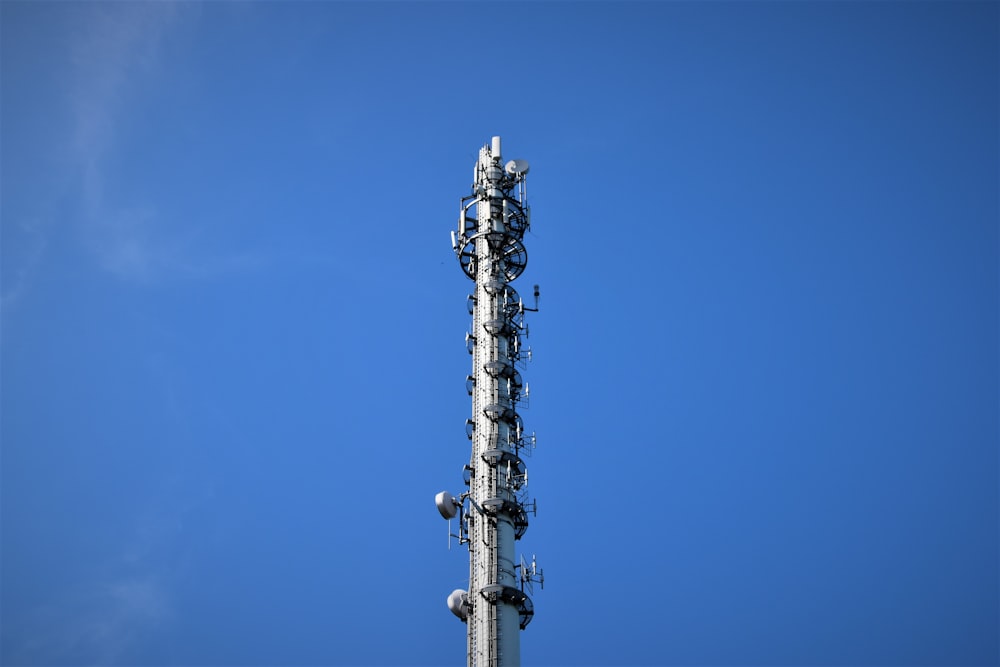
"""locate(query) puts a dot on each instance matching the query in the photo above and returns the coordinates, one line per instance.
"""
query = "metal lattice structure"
(493, 512)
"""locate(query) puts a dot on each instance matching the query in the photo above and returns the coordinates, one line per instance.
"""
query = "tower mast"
(489, 245)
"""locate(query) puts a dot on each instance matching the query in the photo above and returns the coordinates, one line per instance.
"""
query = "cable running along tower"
(493, 512)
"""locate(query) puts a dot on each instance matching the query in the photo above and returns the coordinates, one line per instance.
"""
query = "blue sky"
(765, 380)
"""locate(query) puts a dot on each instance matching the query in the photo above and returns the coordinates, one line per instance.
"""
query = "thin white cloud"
(120, 612)
(22, 274)
(121, 42)
(113, 53)
(120, 51)
(108, 615)
(94, 623)
(120, 45)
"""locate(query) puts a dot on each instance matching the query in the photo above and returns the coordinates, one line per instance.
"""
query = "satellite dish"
(446, 505)
(458, 603)
(516, 167)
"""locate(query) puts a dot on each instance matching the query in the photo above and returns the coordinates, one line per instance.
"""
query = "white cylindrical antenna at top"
(496, 148)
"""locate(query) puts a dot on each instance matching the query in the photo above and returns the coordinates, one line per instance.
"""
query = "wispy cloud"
(121, 46)
(121, 51)
(95, 622)
(117, 605)
(106, 68)
(19, 276)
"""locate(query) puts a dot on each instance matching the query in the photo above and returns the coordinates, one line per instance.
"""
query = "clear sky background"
(765, 376)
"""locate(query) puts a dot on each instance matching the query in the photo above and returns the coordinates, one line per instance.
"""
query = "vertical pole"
(494, 626)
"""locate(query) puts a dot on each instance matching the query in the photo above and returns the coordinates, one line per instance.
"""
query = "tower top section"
(494, 214)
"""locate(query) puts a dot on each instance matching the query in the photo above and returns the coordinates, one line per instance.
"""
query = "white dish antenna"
(517, 167)
(458, 603)
(446, 504)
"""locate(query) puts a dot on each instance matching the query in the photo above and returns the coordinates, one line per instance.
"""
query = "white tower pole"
(490, 249)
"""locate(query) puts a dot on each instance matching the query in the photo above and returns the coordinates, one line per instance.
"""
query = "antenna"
(516, 167)
(489, 245)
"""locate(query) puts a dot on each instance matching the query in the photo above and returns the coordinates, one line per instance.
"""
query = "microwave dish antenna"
(517, 167)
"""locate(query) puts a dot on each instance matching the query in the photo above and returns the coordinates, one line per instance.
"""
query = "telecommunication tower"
(493, 512)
